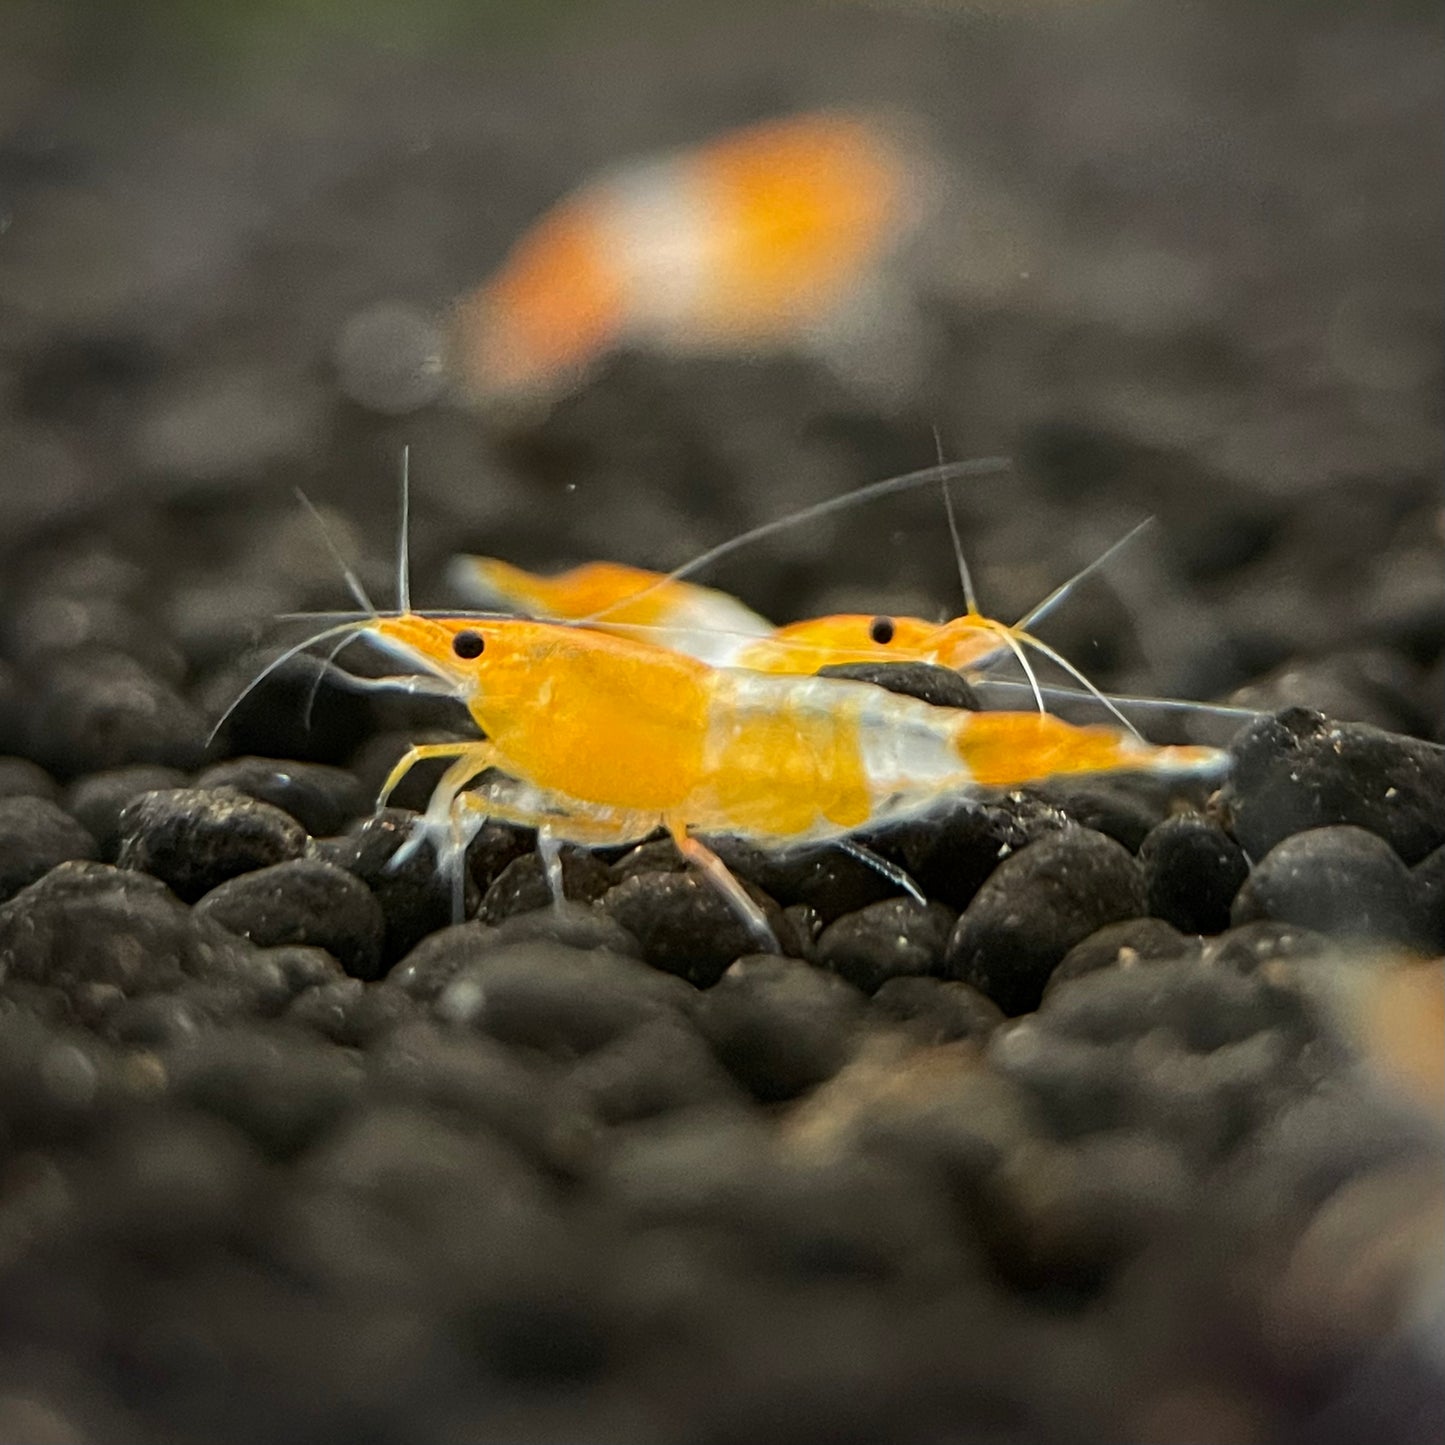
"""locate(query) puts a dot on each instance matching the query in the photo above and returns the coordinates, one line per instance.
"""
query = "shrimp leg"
(422, 752)
(720, 876)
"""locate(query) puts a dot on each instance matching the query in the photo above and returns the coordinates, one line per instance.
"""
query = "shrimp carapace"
(744, 242)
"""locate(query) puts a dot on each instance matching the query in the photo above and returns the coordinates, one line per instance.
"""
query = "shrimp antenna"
(981, 467)
(353, 582)
(1225, 710)
(1061, 593)
(970, 598)
(403, 541)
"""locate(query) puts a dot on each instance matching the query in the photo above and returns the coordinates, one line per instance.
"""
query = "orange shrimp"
(672, 742)
(753, 239)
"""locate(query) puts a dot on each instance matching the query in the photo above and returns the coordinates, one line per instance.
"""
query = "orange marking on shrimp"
(745, 240)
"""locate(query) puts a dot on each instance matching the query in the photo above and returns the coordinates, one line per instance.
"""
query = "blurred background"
(1182, 260)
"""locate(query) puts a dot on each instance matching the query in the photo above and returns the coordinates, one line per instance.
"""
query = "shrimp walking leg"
(720, 876)
(424, 751)
(879, 864)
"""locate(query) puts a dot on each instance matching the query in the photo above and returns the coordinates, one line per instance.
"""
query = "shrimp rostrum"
(599, 740)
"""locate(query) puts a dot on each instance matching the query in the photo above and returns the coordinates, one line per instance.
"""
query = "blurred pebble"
(779, 1025)
(20, 778)
(1430, 886)
(561, 1000)
(1192, 870)
(306, 901)
(684, 924)
(1298, 770)
(104, 711)
(1121, 809)
(35, 835)
(1037, 905)
(350, 1012)
(936, 1010)
(895, 938)
(193, 839)
(97, 800)
(1340, 881)
(1128, 944)
(322, 799)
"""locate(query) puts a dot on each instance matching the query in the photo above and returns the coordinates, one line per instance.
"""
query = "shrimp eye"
(881, 630)
(468, 644)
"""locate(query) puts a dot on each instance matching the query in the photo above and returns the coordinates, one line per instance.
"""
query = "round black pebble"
(1430, 889)
(779, 1025)
(1124, 809)
(1123, 945)
(937, 1010)
(896, 938)
(522, 884)
(107, 711)
(322, 799)
(685, 926)
(194, 839)
(1192, 870)
(35, 835)
(1297, 770)
(20, 778)
(1035, 907)
(305, 901)
(937, 686)
(951, 852)
(1341, 881)
(98, 800)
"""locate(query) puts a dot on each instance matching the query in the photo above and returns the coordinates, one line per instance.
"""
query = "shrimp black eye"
(881, 630)
(468, 645)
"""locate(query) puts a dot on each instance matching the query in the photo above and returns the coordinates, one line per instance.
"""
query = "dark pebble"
(561, 1000)
(896, 938)
(1297, 770)
(88, 925)
(105, 711)
(322, 799)
(35, 835)
(20, 778)
(950, 853)
(352, 1013)
(307, 901)
(281, 1089)
(937, 1010)
(1123, 809)
(1068, 1216)
(98, 800)
(1128, 944)
(1430, 890)
(522, 884)
(660, 1066)
(54, 1082)
(1202, 1006)
(1192, 870)
(826, 879)
(194, 840)
(1253, 945)
(1342, 881)
(470, 1081)
(1080, 1085)
(684, 925)
(938, 686)
(417, 898)
(1035, 907)
(779, 1025)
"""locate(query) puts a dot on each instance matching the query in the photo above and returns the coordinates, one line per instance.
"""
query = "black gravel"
(1130, 1132)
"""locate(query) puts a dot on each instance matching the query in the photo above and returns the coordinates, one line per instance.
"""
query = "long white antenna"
(353, 582)
(970, 600)
(403, 541)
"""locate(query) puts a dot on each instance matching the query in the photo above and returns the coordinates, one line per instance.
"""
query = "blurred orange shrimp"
(772, 236)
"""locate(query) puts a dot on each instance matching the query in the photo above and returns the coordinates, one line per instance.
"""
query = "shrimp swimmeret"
(670, 742)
